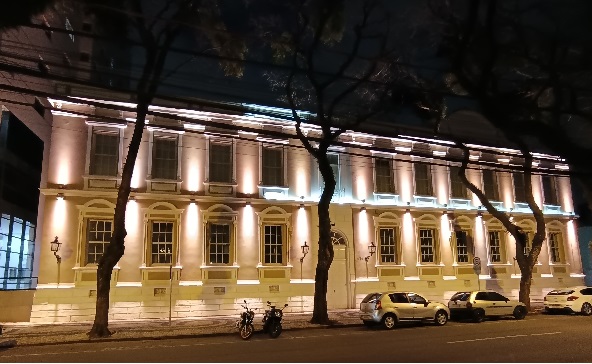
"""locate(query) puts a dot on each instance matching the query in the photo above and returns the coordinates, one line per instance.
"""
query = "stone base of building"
(68, 303)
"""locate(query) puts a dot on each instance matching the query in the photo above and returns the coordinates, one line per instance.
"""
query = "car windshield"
(371, 297)
(561, 292)
(460, 296)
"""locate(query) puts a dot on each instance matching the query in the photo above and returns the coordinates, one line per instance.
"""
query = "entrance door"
(337, 284)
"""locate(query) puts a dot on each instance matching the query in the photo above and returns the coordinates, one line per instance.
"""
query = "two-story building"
(221, 214)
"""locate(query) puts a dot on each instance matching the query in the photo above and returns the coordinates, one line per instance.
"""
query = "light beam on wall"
(248, 228)
(364, 229)
(302, 225)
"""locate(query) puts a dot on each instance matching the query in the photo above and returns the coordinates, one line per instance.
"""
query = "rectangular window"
(164, 157)
(219, 243)
(495, 246)
(162, 242)
(550, 190)
(555, 247)
(383, 171)
(104, 152)
(220, 162)
(519, 187)
(272, 170)
(273, 244)
(388, 245)
(426, 245)
(490, 187)
(98, 236)
(423, 179)
(457, 187)
(462, 247)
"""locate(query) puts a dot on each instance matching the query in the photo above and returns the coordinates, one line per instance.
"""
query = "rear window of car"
(460, 296)
(371, 297)
(560, 292)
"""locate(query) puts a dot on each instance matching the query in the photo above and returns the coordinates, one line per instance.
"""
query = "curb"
(175, 337)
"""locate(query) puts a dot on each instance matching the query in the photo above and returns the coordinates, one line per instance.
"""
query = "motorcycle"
(245, 324)
(272, 320)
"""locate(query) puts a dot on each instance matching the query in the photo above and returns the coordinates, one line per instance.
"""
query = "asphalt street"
(538, 338)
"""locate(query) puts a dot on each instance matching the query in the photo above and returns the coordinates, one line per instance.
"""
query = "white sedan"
(572, 299)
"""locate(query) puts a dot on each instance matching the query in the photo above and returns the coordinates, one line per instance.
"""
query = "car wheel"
(519, 312)
(586, 309)
(441, 318)
(478, 315)
(389, 321)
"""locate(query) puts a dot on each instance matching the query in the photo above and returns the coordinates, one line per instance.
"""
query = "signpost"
(477, 269)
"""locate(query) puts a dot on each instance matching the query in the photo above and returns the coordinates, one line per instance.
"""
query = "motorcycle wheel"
(246, 331)
(275, 330)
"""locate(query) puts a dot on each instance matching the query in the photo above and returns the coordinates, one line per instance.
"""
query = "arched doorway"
(337, 287)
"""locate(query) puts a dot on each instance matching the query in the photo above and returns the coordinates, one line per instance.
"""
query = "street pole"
(170, 293)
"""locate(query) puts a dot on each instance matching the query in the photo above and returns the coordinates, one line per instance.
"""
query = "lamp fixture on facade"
(60, 197)
(132, 198)
(305, 248)
(407, 211)
(192, 201)
(363, 208)
(55, 248)
(371, 250)
(248, 203)
(301, 205)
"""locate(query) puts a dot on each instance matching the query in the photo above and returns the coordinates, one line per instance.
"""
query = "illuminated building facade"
(220, 214)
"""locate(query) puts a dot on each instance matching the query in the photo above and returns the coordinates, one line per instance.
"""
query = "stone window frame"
(220, 213)
(467, 193)
(274, 215)
(492, 225)
(388, 220)
(98, 125)
(214, 139)
(161, 212)
(155, 132)
(393, 175)
(496, 180)
(428, 221)
(428, 163)
(556, 227)
(274, 144)
(467, 225)
(98, 209)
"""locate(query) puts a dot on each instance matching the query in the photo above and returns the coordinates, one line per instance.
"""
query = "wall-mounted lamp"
(62, 186)
(363, 200)
(371, 250)
(302, 197)
(301, 205)
(192, 201)
(407, 211)
(55, 248)
(248, 203)
(305, 248)
(408, 203)
(132, 198)
(60, 197)
(480, 213)
(363, 208)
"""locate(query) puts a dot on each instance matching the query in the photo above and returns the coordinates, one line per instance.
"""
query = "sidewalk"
(25, 334)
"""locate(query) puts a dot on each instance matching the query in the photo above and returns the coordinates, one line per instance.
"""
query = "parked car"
(576, 299)
(481, 304)
(389, 308)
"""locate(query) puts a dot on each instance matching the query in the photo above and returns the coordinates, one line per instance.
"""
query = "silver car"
(389, 308)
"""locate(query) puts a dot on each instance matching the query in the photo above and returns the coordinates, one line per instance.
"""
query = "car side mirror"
(506, 300)
(425, 304)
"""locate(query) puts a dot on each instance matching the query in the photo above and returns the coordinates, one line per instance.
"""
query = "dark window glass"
(415, 298)
(220, 162)
(490, 185)
(272, 173)
(457, 187)
(482, 296)
(164, 157)
(423, 179)
(460, 296)
(383, 170)
(550, 190)
(399, 298)
(105, 153)
(494, 296)
(372, 297)
(519, 187)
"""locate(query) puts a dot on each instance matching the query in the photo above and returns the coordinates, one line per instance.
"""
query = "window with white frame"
(550, 190)
(388, 244)
(162, 241)
(462, 246)
(272, 165)
(384, 181)
(219, 222)
(219, 238)
(427, 245)
(490, 184)
(98, 235)
(423, 179)
(104, 154)
(164, 156)
(457, 187)
(555, 242)
(273, 246)
(220, 161)
(496, 246)
(274, 224)
(519, 187)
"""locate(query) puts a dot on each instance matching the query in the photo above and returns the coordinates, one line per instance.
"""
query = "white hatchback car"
(481, 304)
(576, 299)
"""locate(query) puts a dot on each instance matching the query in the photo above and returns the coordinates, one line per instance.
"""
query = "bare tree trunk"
(116, 247)
(319, 315)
